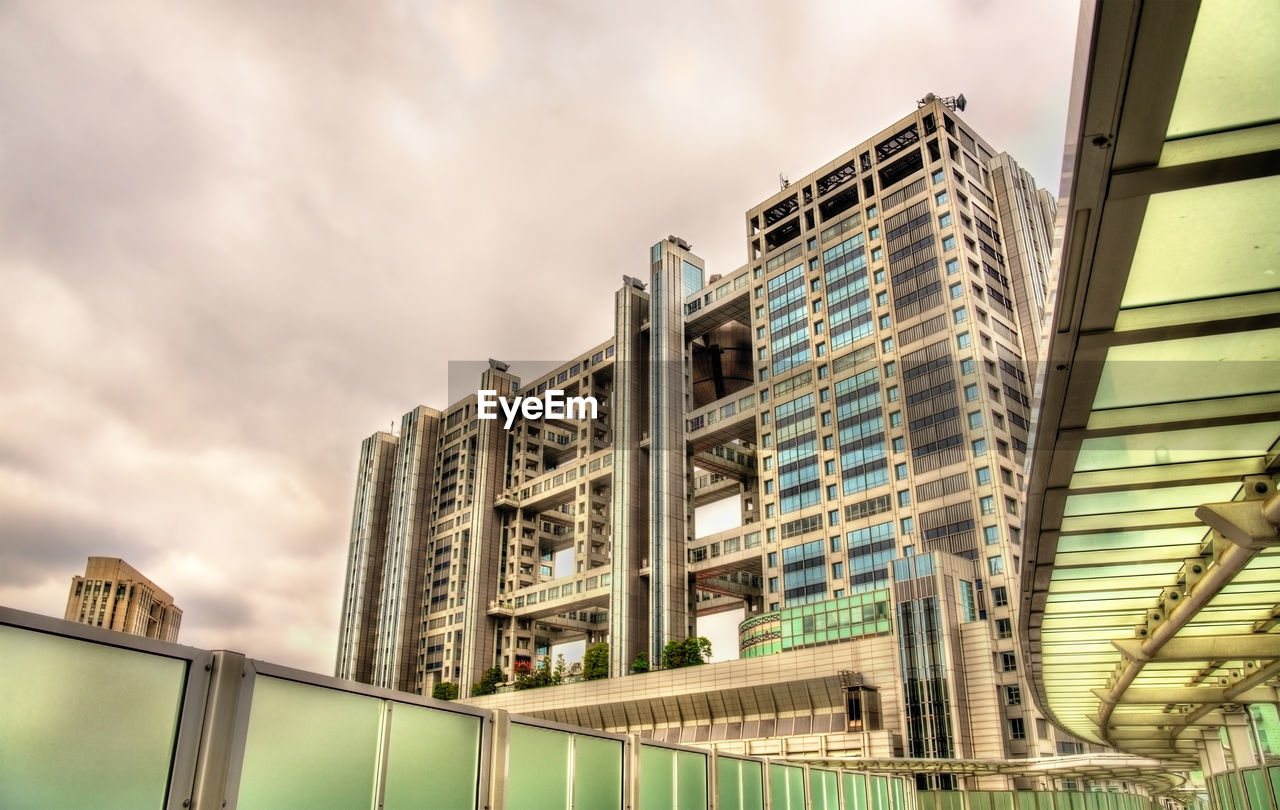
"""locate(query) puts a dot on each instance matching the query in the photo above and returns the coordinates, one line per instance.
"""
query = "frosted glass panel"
(855, 792)
(786, 787)
(309, 747)
(83, 724)
(879, 793)
(823, 791)
(752, 786)
(597, 773)
(432, 753)
(538, 768)
(728, 784)
(691, 784)
(898, 790)
(657, 778)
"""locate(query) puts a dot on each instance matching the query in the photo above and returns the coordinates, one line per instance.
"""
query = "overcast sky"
(238, 237)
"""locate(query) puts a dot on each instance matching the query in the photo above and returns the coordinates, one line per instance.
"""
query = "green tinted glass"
(83, 724)
(597, 772)
(418, 764)
(538, 768)
(308, 746)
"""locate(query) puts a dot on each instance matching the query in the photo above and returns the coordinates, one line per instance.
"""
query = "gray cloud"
(238, 237)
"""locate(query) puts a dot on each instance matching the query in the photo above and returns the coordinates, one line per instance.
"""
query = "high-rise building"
(112, 594)
(855, 397)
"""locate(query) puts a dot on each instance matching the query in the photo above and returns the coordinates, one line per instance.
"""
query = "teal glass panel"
(597, 772)
(728, 783)
(308, 746)
(1071, 800)
(1266, 719)
(824, 790)
(1274, 773)
(1026, 800)
(83, 724)
(1044, 801)
(950, 800)
(855, 792)
(752, 785)
(786, 787)
(897, 789)
(538, 768)
(657, 778)
(979, 800)
(880, 793)
(691, 781)
(1002, 799)
(925, 800)
(432, 753)
(1234, 790)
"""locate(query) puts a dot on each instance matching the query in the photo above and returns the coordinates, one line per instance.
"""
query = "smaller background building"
(112, 594)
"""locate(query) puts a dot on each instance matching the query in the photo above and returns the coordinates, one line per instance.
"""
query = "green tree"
(492, 678)
(445, 690)
(595, 662)
(541, 676)
(673, 655)
(557, 674)
(641, 663)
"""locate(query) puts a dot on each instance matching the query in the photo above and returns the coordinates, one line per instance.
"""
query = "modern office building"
(856, 394)
(112, 594)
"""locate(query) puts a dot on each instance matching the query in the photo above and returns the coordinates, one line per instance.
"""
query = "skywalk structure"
(1151, 584)
(858, 394)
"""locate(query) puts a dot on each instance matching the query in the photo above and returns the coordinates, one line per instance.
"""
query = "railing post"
(631, 790)
(499, 749)
(217, 732)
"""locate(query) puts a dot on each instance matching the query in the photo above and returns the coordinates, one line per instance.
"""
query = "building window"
(899, 471)
(975, 421)
(966, 365)
(895, 419)
(885, 321)
(999, 596)
(874, 233)
(1008, 662)
(939, 176)
(940, 198)
(833, 517)
(886, 345)
(1017, 728)
(991, 534)
(1010, 505)
(872, 212)
(893, 393)
(828, 443)
(979, 447)
(904, 497)
(899, 445)
(908, 525)
(953, 266)
(877, 254)
(963, 341)
(1004, 629)
(837, 570)
(984, 475)
(970, 392)
(995, 565)
(878, 276)
(882, 299)
(948, 243)
(959, 315)
(773, 584)
(956, 290)
(987, 503)
(944, 220)
(773, 559)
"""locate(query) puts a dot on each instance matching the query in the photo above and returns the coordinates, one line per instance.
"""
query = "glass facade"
(848, 297)
(831, 620)
(797, 442)
(864, 463)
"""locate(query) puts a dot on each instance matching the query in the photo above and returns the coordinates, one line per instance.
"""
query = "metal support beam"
(1205, 648)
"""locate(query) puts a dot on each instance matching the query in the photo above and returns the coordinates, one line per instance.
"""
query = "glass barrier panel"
(979, 800)
(824, 791)
(1273, 773)
(84, 724)
(897, 788)
(419, 765)
(728, 783)
(1044, 801)
(855, 793)
(1002, 800)
(786, 787)
(538, 768)
(950, 800)
(308, 746)
(597, 772)
(657, 778)
(925, 801)
(880, 793)
(1234, 791)
(1026, 800)
(691, 781)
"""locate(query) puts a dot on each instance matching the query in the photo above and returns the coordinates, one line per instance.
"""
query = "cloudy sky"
(236, 237)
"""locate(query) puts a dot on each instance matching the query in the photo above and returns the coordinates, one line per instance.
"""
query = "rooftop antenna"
(953, 103)
(783, 181)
